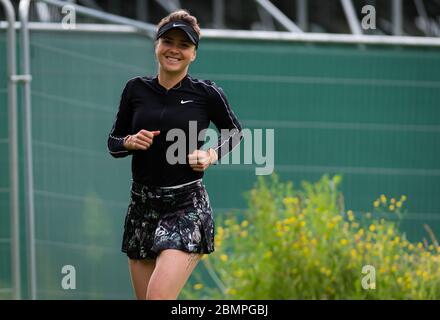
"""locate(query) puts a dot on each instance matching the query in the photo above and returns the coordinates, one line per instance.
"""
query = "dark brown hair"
(182, 15)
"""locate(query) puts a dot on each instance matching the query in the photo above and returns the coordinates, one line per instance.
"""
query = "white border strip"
(250, 35)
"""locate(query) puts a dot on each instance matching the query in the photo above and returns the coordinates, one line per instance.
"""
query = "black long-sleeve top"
(145, 104)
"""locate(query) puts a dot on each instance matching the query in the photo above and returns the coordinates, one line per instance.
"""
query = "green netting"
(5, 252)
(368, 112)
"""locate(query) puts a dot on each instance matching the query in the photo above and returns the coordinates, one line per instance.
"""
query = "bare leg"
(140, 271)
(173, 268)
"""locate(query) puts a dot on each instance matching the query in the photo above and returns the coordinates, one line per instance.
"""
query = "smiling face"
(175, 52)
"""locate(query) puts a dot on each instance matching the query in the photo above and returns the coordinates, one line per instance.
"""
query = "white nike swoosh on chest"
(185, 101)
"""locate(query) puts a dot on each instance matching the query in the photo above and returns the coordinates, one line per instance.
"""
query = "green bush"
(303, 244)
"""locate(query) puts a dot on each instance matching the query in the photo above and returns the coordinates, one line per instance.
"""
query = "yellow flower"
(383, 199)
(398, 204)
(302, 223)
(391, 207)
(361, 232)
(198, 286)
(244, 223)
(224, 257)
(280, 233)
(353, 253)
(220, 231)
(314, 242)
(231, 291)
(393, 201)
(410, 246)
(290, 220)
(244, 233)
(394, 268)
(372, 227)
(368, 246)
(420, 245)
(290, 200)
(325, 271)
(403, 198)
(376, 203)
(350, 215)
(331, 225)
(228, 222)
(343, 242)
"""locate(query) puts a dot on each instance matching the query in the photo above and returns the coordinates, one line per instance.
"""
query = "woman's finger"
(144, 138)
(139, 144)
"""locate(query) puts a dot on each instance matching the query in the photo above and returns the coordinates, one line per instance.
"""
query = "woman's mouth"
(172, 59)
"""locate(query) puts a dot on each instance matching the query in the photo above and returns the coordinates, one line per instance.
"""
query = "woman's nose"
(174, 48)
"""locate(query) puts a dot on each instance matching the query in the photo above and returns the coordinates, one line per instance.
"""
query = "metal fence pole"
(29, 172)
(13, 151)
(302, 14)
(397, 17)
(279, 16)
(350, 13)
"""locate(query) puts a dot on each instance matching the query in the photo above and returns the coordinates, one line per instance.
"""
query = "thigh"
(140, 272)
(173, 268)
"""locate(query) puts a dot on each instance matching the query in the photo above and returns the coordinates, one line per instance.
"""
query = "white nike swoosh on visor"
(179, 25)
(183, 102)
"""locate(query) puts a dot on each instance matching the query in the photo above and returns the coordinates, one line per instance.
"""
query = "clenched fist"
(200, 160)
(141, 140)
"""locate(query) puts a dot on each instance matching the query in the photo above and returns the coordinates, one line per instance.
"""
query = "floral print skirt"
(168, 218)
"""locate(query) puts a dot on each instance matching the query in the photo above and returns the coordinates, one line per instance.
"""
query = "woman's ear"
(194, 55)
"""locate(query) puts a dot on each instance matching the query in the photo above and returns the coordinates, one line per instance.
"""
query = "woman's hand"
(140, 141)
(200, 160)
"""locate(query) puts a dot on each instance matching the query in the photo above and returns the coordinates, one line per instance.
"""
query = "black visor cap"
(182, 25)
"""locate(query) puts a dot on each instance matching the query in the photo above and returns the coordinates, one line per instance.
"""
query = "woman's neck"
(169, 80)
